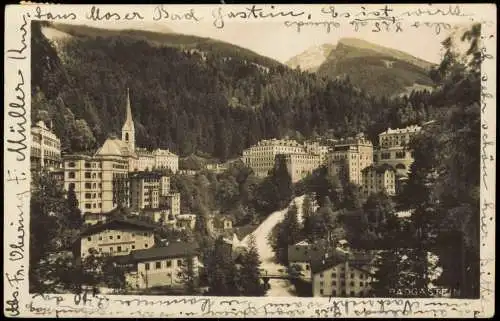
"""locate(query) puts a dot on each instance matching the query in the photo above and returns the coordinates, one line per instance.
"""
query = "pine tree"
(188, 277)
(251, 284)
(221, 270)
(292, 226)
(75, 220)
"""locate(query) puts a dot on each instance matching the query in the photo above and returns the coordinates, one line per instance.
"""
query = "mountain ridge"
(379, 70)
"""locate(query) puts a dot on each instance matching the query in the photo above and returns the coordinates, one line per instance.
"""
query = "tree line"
(212, 103)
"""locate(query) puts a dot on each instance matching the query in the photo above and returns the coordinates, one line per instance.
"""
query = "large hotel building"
(101, 180)
(301, 159)
(349, 157)
(394, 150)
(45, 148)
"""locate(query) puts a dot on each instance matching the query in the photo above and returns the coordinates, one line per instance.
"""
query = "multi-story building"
(163, 266)
(173, 202)
(349, 157)
(100, 180)
(261, 157)
(166, 159)
(344, 274)
(45, 148)
(376, 179)
(317, 149)
(299, 165)
(185, 221)
(116, 237)
(394, 150)
(146, 189)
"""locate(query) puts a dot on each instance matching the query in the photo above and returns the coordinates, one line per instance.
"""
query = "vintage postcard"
(249, 160)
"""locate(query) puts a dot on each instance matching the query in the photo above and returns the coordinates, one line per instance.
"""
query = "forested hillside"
(208, 97)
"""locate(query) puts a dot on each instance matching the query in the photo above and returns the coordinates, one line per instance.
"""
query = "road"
(278, 287)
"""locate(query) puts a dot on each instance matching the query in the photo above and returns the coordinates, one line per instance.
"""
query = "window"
(334, 283)
(118, 236)
(158, 265)
(352, 275)
(169, 263)
(88, 185)
(145, 234)
(87, 175)
(334, 275)
(353, 293)
(321, 291)
(111, 237)
(146, 266)
(352, 283)
(321, 275)
(87, 165)
(71, 175)
(334, 293)
(88, 206)
(100, 238)
(89, 238)
(133, 247)
(71, 164)
(111, 249)
(179, 262)
(321, 284)
(146, 245)
(119, 249)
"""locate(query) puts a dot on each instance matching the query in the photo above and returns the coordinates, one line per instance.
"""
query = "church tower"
(128, 130)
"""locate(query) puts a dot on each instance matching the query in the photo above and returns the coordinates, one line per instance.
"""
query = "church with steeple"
(128, 129)
(100, 180)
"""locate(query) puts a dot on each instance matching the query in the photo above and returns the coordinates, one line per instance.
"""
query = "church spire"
(128, 130)
(129, 109)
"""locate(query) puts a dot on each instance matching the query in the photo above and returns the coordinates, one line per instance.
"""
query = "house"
(185, 221)
(301, 255)
(343, 274)
(220, 222)
(95, 218)
(163, 266)
(118, 236)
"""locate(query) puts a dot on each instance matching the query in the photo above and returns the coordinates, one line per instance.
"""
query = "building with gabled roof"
(163, 266)
(117, 237)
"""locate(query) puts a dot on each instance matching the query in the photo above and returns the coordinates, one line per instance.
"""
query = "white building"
(117, 237)
(261, 157)
(378, 179)
(163, 266)
(394, 148)
(349, 157)
(45, 147)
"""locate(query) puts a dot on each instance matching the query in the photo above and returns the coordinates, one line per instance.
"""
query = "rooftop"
(171, 250)
(117, 224)
(379, 169)
(409, 129)
(113, 147)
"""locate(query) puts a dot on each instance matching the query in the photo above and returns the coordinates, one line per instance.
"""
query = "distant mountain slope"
(378, 70)
(312, 58)
(170, 39)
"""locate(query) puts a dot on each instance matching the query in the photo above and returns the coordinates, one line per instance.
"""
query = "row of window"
(118, 237)
(342, 283)
(342, 293)
(334, 274)
(159, 264)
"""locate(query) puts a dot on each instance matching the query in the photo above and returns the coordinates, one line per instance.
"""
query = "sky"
(274, 40)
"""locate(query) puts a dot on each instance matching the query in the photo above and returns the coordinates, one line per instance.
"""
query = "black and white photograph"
(336, 153)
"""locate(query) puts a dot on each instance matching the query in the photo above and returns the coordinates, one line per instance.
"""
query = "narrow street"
(278, 287)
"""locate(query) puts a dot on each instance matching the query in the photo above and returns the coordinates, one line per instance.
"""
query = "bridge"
(265, 276)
